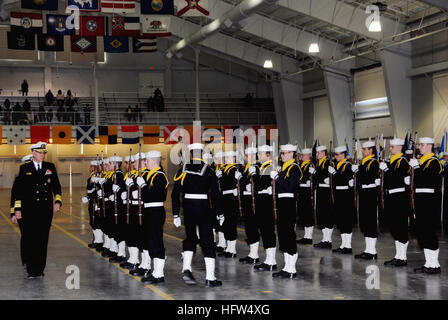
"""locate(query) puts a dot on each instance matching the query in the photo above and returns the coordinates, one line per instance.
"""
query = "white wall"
(440, 114)
(323, 127)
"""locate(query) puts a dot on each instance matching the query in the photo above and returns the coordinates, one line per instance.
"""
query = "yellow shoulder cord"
(181, 178)
(228, 168)
(343, 168)
(150, 173)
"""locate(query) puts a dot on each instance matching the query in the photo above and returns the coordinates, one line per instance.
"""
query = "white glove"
(101, 180)
(383, 166)
(221, 219)
(331, 170)
(135, 194)
(270, 191)
(115, 188)
(407, 180)
(99, 194)
(327, 180)
(129, 182)
(177, 222)
(238, 175)
(141, 182)
(84, 199)
(274, 175)
(355, 168)
(312, 170)
(308, 183)
(235, 192)
(414, 163)
(124, 195)
(218, 174)
(94, 179)
(249, 187)
(350, 182)
(252, 170)
(377, 182)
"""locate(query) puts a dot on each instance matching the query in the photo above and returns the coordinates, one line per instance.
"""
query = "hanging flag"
(211, 133)
(347, 149)
(48, 42)
(21, 40)
(116, 44)
(125, 26)
(359, 155)
(85, 5)
(108, 134)
(443, 145)
(92, 26)
(15, 134)
(144, 45)
(130, 134)
(85, 135)
(1, 134)
(151, 134)
(156, 26)
(157, 7)
(192, 8)
(62, 134)
(50, 5)
(40, 133)
(56, 25)
(170, 134)
(83, 44)
(118, 6)
(26, 22)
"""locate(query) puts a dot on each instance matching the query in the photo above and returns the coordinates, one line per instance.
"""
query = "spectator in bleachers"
(249, 100)
(129, 113)
(137, 113)
(60, 98)
(86, 114)
(157, 92)
(69, 100)
(49, 97)
(41, 113)
(24, 88)
(26, 105)
(7, 113)
(49, 115)
(77, 116)
(60, 113)
(160, 104)
(151, 104)
(16, 113)
(70, 114)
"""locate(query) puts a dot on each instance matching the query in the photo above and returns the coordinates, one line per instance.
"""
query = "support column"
(396, 63)
(196, 54)
(97, 105)
(168, 78)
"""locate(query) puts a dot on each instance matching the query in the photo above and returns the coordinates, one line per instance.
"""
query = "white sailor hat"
(321, 148)
(39, 147)
(196, 146)
(219, 154)
(427, 140)
(153, 154)
(26, 158)
(93, 163)
(307, 151)
(396, 142)
(127, 159)
(288, 148)
(265, 148)
(250, 150)
(105, 160)
(368, 144)
(409, 151)
(230, 154)
(340, 149)
(207, 156)
(140, 156)
(115, 159)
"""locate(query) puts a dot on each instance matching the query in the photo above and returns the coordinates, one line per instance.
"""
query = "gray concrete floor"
(320, 273)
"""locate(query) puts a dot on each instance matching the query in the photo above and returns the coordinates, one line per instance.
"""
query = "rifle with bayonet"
(115, 192)
(411, 197)
(139, 188)
(102, 185)
(330, 176)
(274, 167)
(128, 189)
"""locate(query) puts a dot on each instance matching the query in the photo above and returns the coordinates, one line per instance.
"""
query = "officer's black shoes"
(98, 246)
(152, 280)
(111, 255)
(366, 256)
(213, 283)
(343, 250)
(401, 263)
(265, 267)
(427, 270)
(117, 259)
(138, 272)
(227, 255)
(305, 241)
(338, 250)
(249, 260)
(128, 266)
(390, 263)
(323, 245)
(284, 274)
(91, 245)
(103, 249)
(220, 249)
(36, 276)
(106, 253)
(187, 276)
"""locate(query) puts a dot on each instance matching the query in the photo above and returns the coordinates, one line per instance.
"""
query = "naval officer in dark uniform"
(37, 197)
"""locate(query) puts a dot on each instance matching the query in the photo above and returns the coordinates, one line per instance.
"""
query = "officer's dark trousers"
(305, 208)
(427, 219)
(22, 247)
(286, 221)
(133, 229)
(324, 208)
(230, 207)
(368, 215)
(396, 207)
(250, 221)
(95, 222)
(153, 221)
(343, 206)
(196, 213)
(36, 223)
(120, 228)
(109, 220)
(265, 218)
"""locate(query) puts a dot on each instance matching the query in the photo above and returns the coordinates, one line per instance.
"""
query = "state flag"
(48, 42)
(92, 26)
(118, 6)
(56, 24)
(83, 44)
(151, 134)
(192, 8)
(116, 44)
(144, 45)
(40, 133)
(50, 5)
(156, 25)
(21, 40)
(15, 134)
(85, 135)
(26, 22)
(85, 5)
(125, 26)
(62, 134)
(108, 134)
(157, 7)
(130, 134)
(212, 133)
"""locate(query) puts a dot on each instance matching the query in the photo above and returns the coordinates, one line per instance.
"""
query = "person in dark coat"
(49, 98)
(24, 87)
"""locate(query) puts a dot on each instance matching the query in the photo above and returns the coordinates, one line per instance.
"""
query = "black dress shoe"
(338, 250)
(366, 256)
(227, 255)
(347, 251)
(110, 255)
(103, 249)
(99, 247)
(35, 276)
(427, 270)
(91, 245)
(401, 263)
(117, 259)
(138, 272)
(129, 266)
(249, 260)
(265, 267)
(220, 249)
(105, 253)
(390, 263)
(187, 276)
(284, 274)
(323, 245)
(152, 280)
(305, 241)
(213, 283)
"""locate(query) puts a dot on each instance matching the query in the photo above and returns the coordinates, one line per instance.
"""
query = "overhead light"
(375, 26)
(268, 64)
(314, 48)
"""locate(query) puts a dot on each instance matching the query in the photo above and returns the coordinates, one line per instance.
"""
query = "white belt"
(105, 199)
(263, 192)
(304, 185)
(134, 202)
(196, 196)
(341, 187)
(153, 204)
(229, 191)
(396, 190)
(286, 195)
(125, 202)
(247, 193)
(324, 185)
(424, 190)
(90, 191)
(111, 198)
(369, 186)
